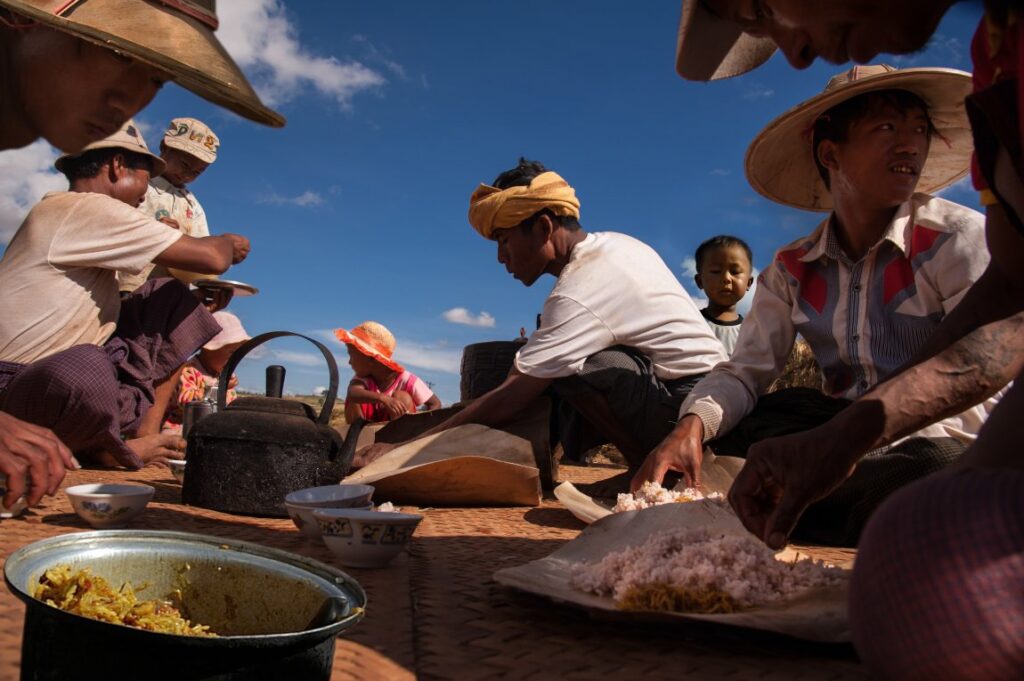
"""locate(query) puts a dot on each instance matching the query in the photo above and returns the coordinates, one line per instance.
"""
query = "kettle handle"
(237, 355)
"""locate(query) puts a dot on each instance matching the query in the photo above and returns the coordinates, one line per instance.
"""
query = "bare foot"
(157, 449)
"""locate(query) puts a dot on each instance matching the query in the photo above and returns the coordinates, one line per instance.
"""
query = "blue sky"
(397, 110)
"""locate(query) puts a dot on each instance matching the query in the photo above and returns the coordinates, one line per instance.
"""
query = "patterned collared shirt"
(863, 319)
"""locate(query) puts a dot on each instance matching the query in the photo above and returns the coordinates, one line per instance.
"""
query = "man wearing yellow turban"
(619, 340)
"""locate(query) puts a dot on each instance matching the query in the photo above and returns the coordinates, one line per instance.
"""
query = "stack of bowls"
(303, 502)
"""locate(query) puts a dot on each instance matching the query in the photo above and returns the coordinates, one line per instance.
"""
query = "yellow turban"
(491, 208)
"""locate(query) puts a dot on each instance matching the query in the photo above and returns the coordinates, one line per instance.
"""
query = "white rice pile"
(653, 494)
(696, 560)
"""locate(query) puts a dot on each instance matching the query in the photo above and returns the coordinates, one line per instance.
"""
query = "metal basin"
(276, 613)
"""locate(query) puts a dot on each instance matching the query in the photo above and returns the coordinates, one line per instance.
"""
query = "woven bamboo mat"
(435, 613)
(468, 627)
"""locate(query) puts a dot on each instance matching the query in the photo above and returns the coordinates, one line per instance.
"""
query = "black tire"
(485, 366)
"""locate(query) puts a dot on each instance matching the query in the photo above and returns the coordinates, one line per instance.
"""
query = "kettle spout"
(348, 447)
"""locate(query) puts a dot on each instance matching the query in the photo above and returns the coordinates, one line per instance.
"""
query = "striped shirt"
(863, 319)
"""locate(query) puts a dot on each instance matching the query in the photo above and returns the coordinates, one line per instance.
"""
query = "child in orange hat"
(381, 389)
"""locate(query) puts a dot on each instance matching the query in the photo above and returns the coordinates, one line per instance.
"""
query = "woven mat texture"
(434, 613)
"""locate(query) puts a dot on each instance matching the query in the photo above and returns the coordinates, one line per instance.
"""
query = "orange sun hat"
(373, 340)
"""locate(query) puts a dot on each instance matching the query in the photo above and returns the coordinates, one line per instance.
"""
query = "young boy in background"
(188, 148)
(725, 266)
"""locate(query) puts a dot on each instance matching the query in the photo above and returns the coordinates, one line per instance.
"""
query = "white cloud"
(460, 315)
(376, 55)
(689, 266)
(758, 91)
(263, 40)
(721, 172)
(430, 357)
(306, 359)
(25, 175)
(306, 199)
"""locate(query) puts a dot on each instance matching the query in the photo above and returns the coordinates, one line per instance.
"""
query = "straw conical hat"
(710, 48)
(780, 161)
(128, 138)
(174, 35)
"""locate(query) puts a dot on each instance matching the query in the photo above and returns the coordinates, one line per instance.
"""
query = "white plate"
(241, 289)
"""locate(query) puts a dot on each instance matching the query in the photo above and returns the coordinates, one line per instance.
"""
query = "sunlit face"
(362, 365)
(836, 31)
(523, 252)
(879, 164)
(725, 275)
(72, 92)
(129, 184)
(182, 168)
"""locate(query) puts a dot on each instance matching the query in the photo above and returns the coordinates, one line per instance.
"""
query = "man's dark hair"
(521, 176)
(834, 125)
(722, 241)
(90, 163)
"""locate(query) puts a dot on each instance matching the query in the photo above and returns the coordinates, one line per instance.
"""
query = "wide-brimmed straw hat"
(231, 331)
(128, 138)
(710, 48)
(780, 161)
(174, 35)
(373, 340)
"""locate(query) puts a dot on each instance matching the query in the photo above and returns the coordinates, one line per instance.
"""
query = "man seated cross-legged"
(620, 341)
(866, 289)
(76, 359)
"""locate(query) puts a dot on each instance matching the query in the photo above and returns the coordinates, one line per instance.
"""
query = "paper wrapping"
(816, 615)
(470, 465)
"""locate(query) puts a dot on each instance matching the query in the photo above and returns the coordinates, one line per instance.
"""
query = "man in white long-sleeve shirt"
(865, 289)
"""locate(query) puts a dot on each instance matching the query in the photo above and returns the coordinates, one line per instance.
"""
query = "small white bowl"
(10, 511)
(104, 506)
(303, 502)
(365, 539)
(177, 467)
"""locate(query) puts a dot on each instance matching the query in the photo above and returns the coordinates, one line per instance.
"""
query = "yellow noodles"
(83, 593)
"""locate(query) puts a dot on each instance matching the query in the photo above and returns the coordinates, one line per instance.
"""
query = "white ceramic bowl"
(17, 508)
(365, 539)
(303, 502)
(103, 505)
(177, 467)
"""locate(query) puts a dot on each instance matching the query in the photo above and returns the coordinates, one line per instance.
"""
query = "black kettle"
(248, 455)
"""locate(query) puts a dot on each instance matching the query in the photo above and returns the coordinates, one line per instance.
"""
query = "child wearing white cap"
(188, 148)
(201, 374)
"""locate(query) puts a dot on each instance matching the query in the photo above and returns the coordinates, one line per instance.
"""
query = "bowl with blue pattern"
(106, 506)
(365, 539)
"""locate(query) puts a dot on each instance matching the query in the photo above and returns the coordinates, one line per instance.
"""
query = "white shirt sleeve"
(107, 233)
(767, 334)
(959, 264)
(569, 334)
